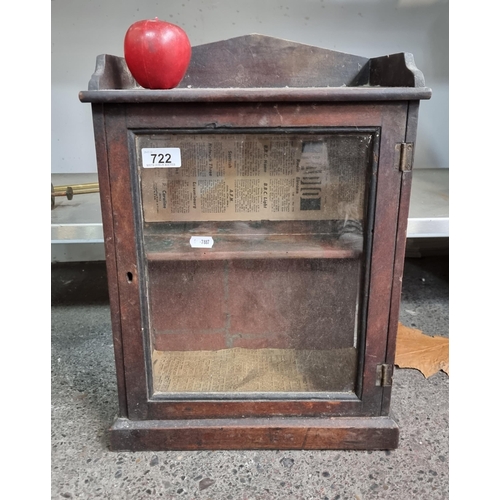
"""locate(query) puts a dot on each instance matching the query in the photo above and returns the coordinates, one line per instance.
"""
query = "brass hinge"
(406, 156)
(384, 375)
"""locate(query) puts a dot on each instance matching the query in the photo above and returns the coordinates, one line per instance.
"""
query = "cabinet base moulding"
(331, 433)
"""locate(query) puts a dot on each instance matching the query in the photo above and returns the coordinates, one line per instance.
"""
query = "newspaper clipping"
(224, 177)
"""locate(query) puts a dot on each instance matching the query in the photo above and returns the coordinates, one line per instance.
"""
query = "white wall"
(83, 29)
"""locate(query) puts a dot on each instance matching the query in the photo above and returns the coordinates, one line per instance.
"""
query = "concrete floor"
(84, 404)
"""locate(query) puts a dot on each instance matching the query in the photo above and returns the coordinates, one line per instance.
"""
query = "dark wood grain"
(253, 66)
(382, 261)
(404, 209)
(129, 272)
(395, 70)
(334, 94)
(111, 72)
(256, 83)
(390, 118)
(263, 61)
(379, 433)
(328, 407)
(110, 251)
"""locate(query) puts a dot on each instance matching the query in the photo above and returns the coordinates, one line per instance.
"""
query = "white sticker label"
(161, 157)
(201, 242)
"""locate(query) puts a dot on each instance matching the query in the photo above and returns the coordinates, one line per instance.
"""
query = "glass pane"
(254, 250)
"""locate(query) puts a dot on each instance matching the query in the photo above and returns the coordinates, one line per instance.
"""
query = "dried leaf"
(416, 350)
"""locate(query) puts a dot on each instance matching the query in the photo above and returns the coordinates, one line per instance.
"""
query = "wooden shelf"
(229, 247)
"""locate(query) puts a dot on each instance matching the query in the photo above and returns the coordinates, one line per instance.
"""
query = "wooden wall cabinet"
(254, 221)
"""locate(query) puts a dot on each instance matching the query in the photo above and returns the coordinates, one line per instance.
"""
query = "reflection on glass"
(266, 298)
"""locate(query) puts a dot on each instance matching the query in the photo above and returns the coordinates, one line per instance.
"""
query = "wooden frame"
(120, 110)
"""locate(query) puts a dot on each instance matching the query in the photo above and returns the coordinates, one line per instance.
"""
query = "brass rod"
(90, 185)
(79, 191)
(85, 191)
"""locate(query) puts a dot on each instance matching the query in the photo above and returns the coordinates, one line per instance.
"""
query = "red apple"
(157, 53)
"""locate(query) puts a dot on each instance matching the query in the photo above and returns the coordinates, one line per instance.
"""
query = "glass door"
(255, 245)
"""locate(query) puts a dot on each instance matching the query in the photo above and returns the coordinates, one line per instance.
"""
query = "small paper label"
(201, 242)
(161, 157)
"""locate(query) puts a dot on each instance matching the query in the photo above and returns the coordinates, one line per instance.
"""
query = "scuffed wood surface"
(257, 62)
(263, 61)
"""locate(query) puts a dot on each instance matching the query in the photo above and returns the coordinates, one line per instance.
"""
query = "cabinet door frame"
(120, 196)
